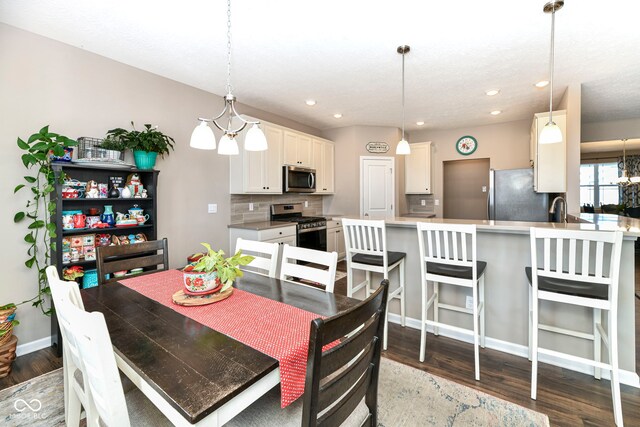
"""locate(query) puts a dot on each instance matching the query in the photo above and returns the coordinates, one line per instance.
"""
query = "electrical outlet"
(250, 206)
(423, 202)
(436, 202)
(306, 203)
(212, 208)
(469, 302)
(484, 188)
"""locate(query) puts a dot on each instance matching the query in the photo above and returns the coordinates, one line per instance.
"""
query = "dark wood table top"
(195, 368)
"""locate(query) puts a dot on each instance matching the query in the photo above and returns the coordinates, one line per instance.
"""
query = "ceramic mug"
(93, 211)
(79, 220)
(121, 217)
(142, 219)
(92, 220)
(67, 222)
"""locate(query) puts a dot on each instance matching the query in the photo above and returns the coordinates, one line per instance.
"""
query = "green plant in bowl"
(226, 270)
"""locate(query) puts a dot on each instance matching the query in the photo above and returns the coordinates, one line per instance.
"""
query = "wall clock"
(466, 145)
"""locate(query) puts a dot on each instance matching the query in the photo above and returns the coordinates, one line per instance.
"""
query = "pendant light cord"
(229, 46)
(403, 54)
(551, 60)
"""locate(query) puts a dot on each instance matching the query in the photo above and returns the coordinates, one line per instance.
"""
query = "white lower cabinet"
(335, 238)
(282, 235)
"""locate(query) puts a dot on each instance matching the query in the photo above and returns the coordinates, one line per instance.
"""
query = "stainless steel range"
(311, 230)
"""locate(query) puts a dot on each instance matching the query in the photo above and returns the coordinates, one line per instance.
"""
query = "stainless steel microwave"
(298, 180)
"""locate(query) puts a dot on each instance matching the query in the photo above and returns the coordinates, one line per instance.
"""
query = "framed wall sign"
(377, 147)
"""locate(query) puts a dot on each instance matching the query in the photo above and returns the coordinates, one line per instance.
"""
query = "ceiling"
(343, 54)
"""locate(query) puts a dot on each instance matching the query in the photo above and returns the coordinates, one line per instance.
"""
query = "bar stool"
(557, 278)
(449, 257)
(366, 248)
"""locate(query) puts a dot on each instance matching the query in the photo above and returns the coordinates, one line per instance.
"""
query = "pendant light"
(625, 179)
(551, 133)
(403, 145)
(203, 137)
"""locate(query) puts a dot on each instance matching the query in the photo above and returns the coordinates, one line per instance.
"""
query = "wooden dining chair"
(265, 255)
(292, 271)
(148, 255)
(75, 396)
(90, 346)
(337, 379)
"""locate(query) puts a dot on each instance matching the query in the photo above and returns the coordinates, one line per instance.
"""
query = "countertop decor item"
(42, 181)
(213, 271)
(466, 145)
(202, 136)
(403, 146)
(551, 133)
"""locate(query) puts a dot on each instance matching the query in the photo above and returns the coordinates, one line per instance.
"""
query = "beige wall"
(83, 94)
(350, 144)
(506, 144)
(572, 102)
(610, 130)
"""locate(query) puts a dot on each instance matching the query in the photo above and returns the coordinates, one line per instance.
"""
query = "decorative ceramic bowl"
(197, 282)
(120, 273)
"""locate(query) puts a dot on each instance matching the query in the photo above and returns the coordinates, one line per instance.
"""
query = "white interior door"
(377, 187)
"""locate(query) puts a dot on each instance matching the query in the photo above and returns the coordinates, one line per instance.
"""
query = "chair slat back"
(453, 244)
(585, 256)
(152, 255)
(290, 269)
(266, 256)
(366, 237)
(337, 379)
(88, 340)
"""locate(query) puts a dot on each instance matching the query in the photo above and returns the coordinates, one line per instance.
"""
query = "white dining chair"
(89, 344)
(265, 256)
(366, 250)
(290, 269)
(578, 268)
(75, 397)
(448, 256)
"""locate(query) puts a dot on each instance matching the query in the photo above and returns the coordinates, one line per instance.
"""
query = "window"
(597, 184)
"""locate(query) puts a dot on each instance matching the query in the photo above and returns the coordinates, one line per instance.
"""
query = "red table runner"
(271, 327)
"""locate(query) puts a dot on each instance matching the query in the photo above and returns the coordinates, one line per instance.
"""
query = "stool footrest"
(455, 308)
(569, 332)
(450, 327)
(573, 358)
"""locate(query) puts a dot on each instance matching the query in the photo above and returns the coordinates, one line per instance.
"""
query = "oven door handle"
(309, 230)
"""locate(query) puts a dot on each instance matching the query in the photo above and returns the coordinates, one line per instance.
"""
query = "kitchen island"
(505, 246)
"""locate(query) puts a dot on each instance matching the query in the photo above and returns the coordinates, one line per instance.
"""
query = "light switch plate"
(436, 202)
(423, 202)
(250, 206)
(212, 208)
(306, 203)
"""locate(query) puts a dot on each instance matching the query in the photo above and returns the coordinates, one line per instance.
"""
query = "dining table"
(195, 374)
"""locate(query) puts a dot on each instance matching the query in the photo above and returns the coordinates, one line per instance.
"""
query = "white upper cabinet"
(297, 149)
(549, 161)
(417, 169)
(253, 172)
(323, 162)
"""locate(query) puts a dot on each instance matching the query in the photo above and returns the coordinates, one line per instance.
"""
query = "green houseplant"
(41, 180)
(145, 144)
(212, 271)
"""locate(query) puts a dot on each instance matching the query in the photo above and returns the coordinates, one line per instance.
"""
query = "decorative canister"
(107, 216)
(135, 211)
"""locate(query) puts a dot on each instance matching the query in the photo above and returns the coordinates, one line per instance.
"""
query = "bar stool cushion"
(377, 260)
(456, 271)
(570, 287)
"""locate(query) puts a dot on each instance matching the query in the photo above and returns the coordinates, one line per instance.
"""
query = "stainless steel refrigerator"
(511, 197)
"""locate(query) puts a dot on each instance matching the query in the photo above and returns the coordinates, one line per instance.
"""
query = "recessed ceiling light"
(542, 83)
(310, 102)
(337, 115)
(420, 123)
(492, 92)
(496, 112)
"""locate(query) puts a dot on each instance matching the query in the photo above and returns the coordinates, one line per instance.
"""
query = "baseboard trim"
(626, 377)
(32, 346)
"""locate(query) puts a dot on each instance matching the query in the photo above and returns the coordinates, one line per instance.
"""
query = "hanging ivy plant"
(37, 157)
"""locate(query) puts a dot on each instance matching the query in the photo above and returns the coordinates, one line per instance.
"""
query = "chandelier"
(203, 137)
(625, 179)
(551, 133)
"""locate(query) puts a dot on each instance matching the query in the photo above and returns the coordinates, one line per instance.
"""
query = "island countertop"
(598, 222)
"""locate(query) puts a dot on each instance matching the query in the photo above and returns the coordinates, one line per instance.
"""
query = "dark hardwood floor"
(568, 398)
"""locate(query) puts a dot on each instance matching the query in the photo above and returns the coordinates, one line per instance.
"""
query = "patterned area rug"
(407, 397)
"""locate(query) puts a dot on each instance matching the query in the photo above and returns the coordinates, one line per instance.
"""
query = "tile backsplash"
(414, 203)
(240, 212)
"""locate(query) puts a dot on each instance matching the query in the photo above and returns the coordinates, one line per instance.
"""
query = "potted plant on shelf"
(145, 144)
(212, 272)
(38, 152)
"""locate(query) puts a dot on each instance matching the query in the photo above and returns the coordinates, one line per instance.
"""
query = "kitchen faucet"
(564, 207)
